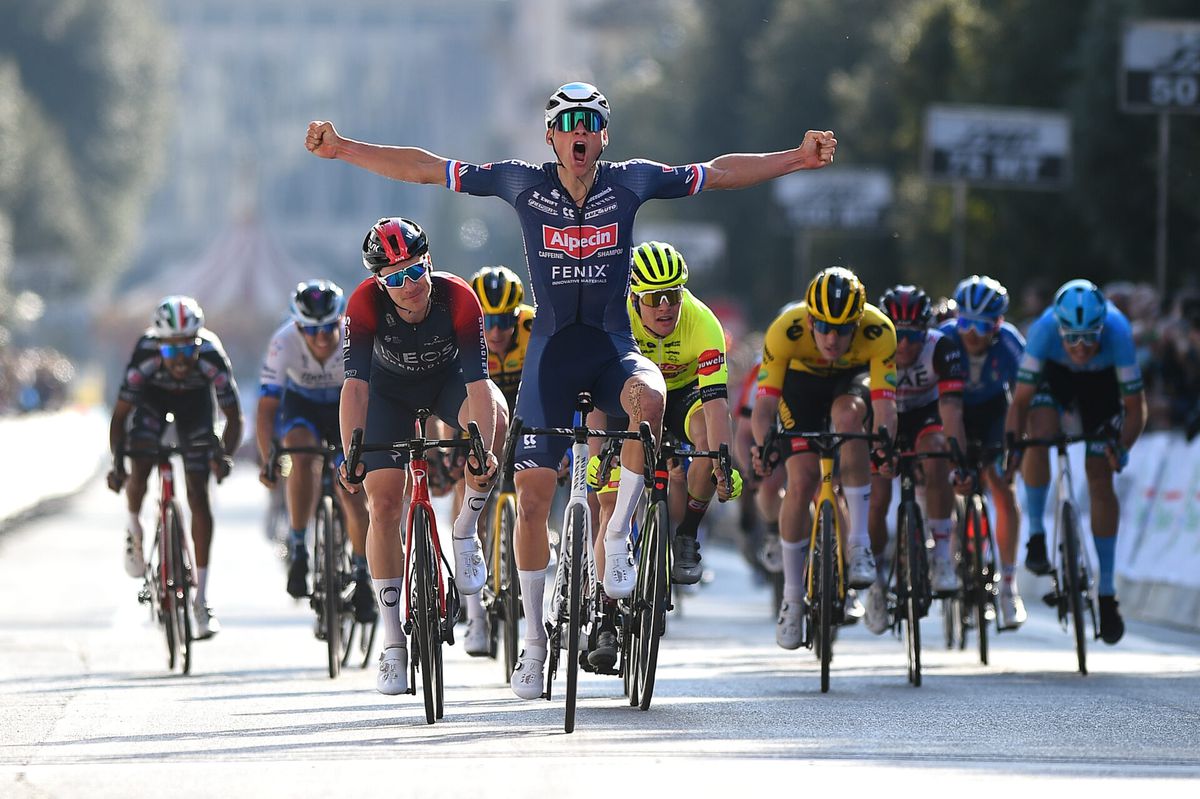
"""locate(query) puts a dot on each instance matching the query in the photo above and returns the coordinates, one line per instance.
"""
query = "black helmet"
(317, 302)
(392, 240)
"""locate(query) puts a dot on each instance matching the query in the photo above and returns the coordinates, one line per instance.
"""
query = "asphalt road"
(87, 707)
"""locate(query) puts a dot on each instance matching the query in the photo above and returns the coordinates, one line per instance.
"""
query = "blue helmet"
(981, 297)
(1080, 306)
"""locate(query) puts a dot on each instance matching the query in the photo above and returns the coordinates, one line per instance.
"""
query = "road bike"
(333, 577)
(432, 604)
(576, 608)
(1071, 573)
(645, 612)
(825, 572)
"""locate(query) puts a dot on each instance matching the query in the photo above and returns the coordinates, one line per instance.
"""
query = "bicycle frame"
(1064, 493)
(418, 472)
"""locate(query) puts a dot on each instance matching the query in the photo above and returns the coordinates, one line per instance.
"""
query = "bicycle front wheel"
(326, 587)
(427, 628)
(1071, 582)
(510, 586)
(826, 592)
(180, 587)
(576, 529)
(651, 599)
(910, 535)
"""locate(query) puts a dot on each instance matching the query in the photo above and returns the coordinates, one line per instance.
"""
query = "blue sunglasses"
(980, 326)
(910, 335)
(396, 279)
(169, 351)
(824, 327)
(312, 330)
(504, 321)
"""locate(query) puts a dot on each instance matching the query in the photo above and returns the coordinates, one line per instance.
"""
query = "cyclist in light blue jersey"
(1080, 356)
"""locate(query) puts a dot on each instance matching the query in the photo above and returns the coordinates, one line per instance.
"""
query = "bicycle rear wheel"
(426, 629)
(1071, 582)
(980, 592)
(180, 587)
(327, 592)
(651, 599)
(826, 592)
(510, 587)
(576, 528)
(163, 599)
(909, 533)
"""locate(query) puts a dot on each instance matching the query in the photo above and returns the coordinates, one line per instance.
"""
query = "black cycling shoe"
(685, 563)
(1035, 554)
(363, 600)
(604, 654)
(297, 584)
(1112, 626)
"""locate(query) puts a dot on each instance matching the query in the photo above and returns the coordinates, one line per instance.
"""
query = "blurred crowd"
(33, 379)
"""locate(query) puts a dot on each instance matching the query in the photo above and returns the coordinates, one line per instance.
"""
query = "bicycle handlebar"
(356, 471)
(277, 451)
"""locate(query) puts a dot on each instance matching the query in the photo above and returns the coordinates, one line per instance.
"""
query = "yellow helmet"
(657, 266)
(836, 296)
(498, 288)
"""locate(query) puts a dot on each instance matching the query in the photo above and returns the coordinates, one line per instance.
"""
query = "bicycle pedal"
(144, 596)
(1051, 599)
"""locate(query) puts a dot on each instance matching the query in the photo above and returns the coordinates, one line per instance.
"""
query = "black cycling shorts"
(193, 412)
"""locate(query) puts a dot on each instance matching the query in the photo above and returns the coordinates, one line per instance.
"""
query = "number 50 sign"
(1160, 67)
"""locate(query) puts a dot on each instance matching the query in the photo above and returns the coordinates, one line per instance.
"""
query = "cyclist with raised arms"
(576, 214)
(1080, 357)
(990, 349)
(828, 363)
(177, 367)
(300, 386)
(928, 399)
(414, 339)
(507, 323)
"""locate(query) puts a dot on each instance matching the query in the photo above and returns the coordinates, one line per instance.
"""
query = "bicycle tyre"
(909, 532)
(426, 628)
(328, 594)
(826, 591)
(980, 578)
(651, 598)
(162, 566)
(1070, 579)
(575, 535)
(180, 588)
(510, 585)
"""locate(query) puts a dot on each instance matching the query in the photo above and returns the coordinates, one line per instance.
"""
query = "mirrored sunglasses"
(567, 121)
(980, 326)
(169, 351)
(504, 321)
(653, 299)
(1074, 338)
(413, 272)
(910, 335)
(312, 330)
(825, 328)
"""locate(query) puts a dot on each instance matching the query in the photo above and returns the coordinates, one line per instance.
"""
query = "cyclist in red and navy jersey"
(576, 215)
(414, 339)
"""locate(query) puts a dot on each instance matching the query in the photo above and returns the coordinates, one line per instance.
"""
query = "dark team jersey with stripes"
(578, 258)
(147, 371)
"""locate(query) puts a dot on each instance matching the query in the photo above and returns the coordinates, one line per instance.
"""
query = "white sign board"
(835, 198)
(1019, 148)
(1160, 66)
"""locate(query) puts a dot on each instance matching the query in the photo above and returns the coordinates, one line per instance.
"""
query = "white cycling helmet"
(177, 316)
(576, 95)
(317, 302)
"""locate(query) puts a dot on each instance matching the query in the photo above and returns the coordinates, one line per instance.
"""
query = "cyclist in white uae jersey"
(576, 214)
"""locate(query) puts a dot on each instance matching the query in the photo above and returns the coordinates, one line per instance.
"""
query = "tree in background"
(83, 102)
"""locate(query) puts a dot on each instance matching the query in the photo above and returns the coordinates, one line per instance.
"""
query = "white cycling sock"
(468, 515)
(858, 500)
(795, 556)
(135, 525)
(628, 491)
(940, 530)
(474, 607)
(202, 586)
(390, 593)
(533, 591)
